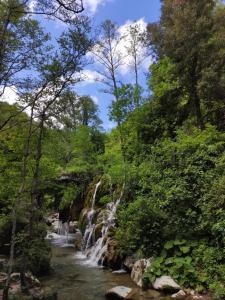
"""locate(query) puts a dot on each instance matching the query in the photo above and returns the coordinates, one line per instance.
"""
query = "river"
(73, 278)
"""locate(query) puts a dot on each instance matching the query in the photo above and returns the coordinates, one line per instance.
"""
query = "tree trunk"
(35, 182)
(16, 206)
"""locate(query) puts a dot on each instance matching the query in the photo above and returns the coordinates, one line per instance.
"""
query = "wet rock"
(138, 270)
(166, 283)
(83, 220)
(150, 294)
(73, 226)
(121, 271)
(98, 231)
(119, 292)
(179, 295)
(129, 262)
(78, 241)
(111, 258)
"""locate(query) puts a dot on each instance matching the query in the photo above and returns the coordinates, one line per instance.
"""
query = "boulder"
(166, 283)
(138, 270)
(118, 292)
(129, 262)
(179, 295)
(111, 258)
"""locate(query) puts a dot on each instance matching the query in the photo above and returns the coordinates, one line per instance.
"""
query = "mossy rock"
(98, 231)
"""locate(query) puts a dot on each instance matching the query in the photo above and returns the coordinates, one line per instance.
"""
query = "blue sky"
(121, 12)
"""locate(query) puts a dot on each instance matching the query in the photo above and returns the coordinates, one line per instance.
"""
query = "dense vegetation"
(168, 147)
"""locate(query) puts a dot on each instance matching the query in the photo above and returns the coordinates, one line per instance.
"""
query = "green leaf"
(169, 245)
(185, 249)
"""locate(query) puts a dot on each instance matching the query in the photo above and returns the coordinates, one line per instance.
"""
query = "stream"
(73, 278)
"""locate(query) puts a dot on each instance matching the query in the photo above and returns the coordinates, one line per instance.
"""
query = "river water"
(74, 279)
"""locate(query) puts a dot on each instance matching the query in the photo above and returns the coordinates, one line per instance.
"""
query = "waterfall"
(89, 234)
(99, 248)
(63, 228)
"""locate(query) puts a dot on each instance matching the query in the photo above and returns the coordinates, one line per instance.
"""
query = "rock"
(150, 294)
(111, 258)
(118, 292)
(166, 283)
(3, 277)
(197, 297)
(40, 294)
(29, 278)
(121, 271)
(129, 262)
(78, 240)
(179, 295)
(73, 225)
(138, 270)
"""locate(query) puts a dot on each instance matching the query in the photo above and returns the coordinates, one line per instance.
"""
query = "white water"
(89, 234)
(62, 238)
(93, 251)
(96, 253)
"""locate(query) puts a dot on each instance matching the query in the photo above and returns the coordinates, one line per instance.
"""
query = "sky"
(122, 12)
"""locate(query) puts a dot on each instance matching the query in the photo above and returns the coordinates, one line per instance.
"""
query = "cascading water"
(96, 254)
(61, 235)
(88, 239)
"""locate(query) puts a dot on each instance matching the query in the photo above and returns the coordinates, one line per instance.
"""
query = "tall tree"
(136, 45)
(182, 34)
(56, 74)
(21, 44)
(109, 56)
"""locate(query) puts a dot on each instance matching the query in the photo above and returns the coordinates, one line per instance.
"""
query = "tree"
(182, 34)
(63, 10)
(56, 74)
(21, 45)
(88, 112)
(73, 110)
(136, 46)
(109, 56)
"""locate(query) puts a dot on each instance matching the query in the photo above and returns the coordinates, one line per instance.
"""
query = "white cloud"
(32, 5)
(9, 95)
(95, 99)
(143, 59)
(122, 49)
(90, 76)
(92, 5)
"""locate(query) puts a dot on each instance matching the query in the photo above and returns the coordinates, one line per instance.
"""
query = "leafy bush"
(140, 228)
(175, 260)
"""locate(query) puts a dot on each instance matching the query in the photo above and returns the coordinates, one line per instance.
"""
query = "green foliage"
(175, 260)
(140, 228)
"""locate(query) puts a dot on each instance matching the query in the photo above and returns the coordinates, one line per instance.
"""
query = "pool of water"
(73, 278)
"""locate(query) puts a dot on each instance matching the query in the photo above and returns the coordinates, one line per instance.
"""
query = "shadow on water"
(73, 279)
